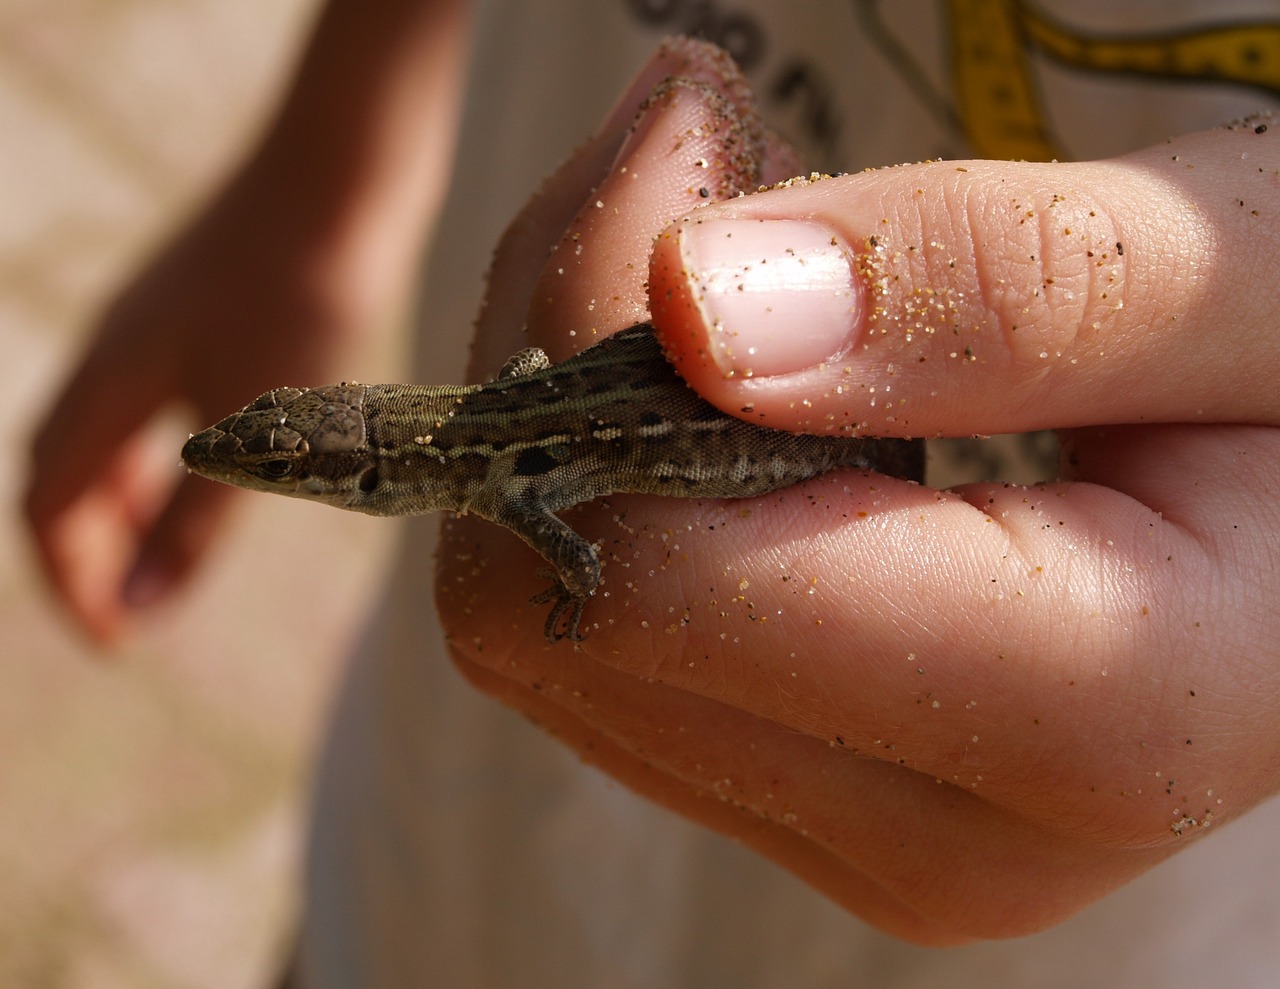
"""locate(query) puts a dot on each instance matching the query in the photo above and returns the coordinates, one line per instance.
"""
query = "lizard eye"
(274, 470)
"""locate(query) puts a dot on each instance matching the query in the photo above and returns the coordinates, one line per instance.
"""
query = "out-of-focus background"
(150, 801)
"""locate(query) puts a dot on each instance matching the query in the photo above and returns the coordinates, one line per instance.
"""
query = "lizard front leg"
(575, 565)
(527, 361)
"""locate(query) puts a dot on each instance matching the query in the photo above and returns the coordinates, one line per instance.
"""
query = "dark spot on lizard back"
(534, 460)
(643, 382)
(600, 386)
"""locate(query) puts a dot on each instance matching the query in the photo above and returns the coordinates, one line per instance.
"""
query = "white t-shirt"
(454, 844)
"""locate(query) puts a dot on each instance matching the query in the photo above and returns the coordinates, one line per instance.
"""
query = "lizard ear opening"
(369, 480)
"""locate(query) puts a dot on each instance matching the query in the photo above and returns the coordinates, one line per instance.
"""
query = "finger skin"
(1002, 297)
(920, 858)
(996, 699)
(592, 282)
(709, 805)
(553, 219)
(960, 714)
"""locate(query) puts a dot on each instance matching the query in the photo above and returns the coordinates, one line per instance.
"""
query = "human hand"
(283, 280)
(960, 713)
(230, 309)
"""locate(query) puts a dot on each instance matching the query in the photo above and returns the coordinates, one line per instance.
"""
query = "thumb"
(953, 298)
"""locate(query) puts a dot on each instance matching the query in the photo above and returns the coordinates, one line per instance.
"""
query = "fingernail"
(776, 296)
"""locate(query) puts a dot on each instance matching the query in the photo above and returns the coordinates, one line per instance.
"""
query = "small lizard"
(534, 441)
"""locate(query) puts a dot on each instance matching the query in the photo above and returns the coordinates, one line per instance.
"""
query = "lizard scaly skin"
(536, 440)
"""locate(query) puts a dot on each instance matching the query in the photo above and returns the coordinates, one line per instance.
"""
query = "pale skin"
(309, 248)
(959, 714)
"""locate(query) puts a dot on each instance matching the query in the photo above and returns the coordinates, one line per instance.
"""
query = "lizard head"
(303, 442)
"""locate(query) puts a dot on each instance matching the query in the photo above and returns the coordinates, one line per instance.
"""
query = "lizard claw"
(565, 609)
(573, 609)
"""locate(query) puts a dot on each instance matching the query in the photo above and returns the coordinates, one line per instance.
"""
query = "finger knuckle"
(1050, 266)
